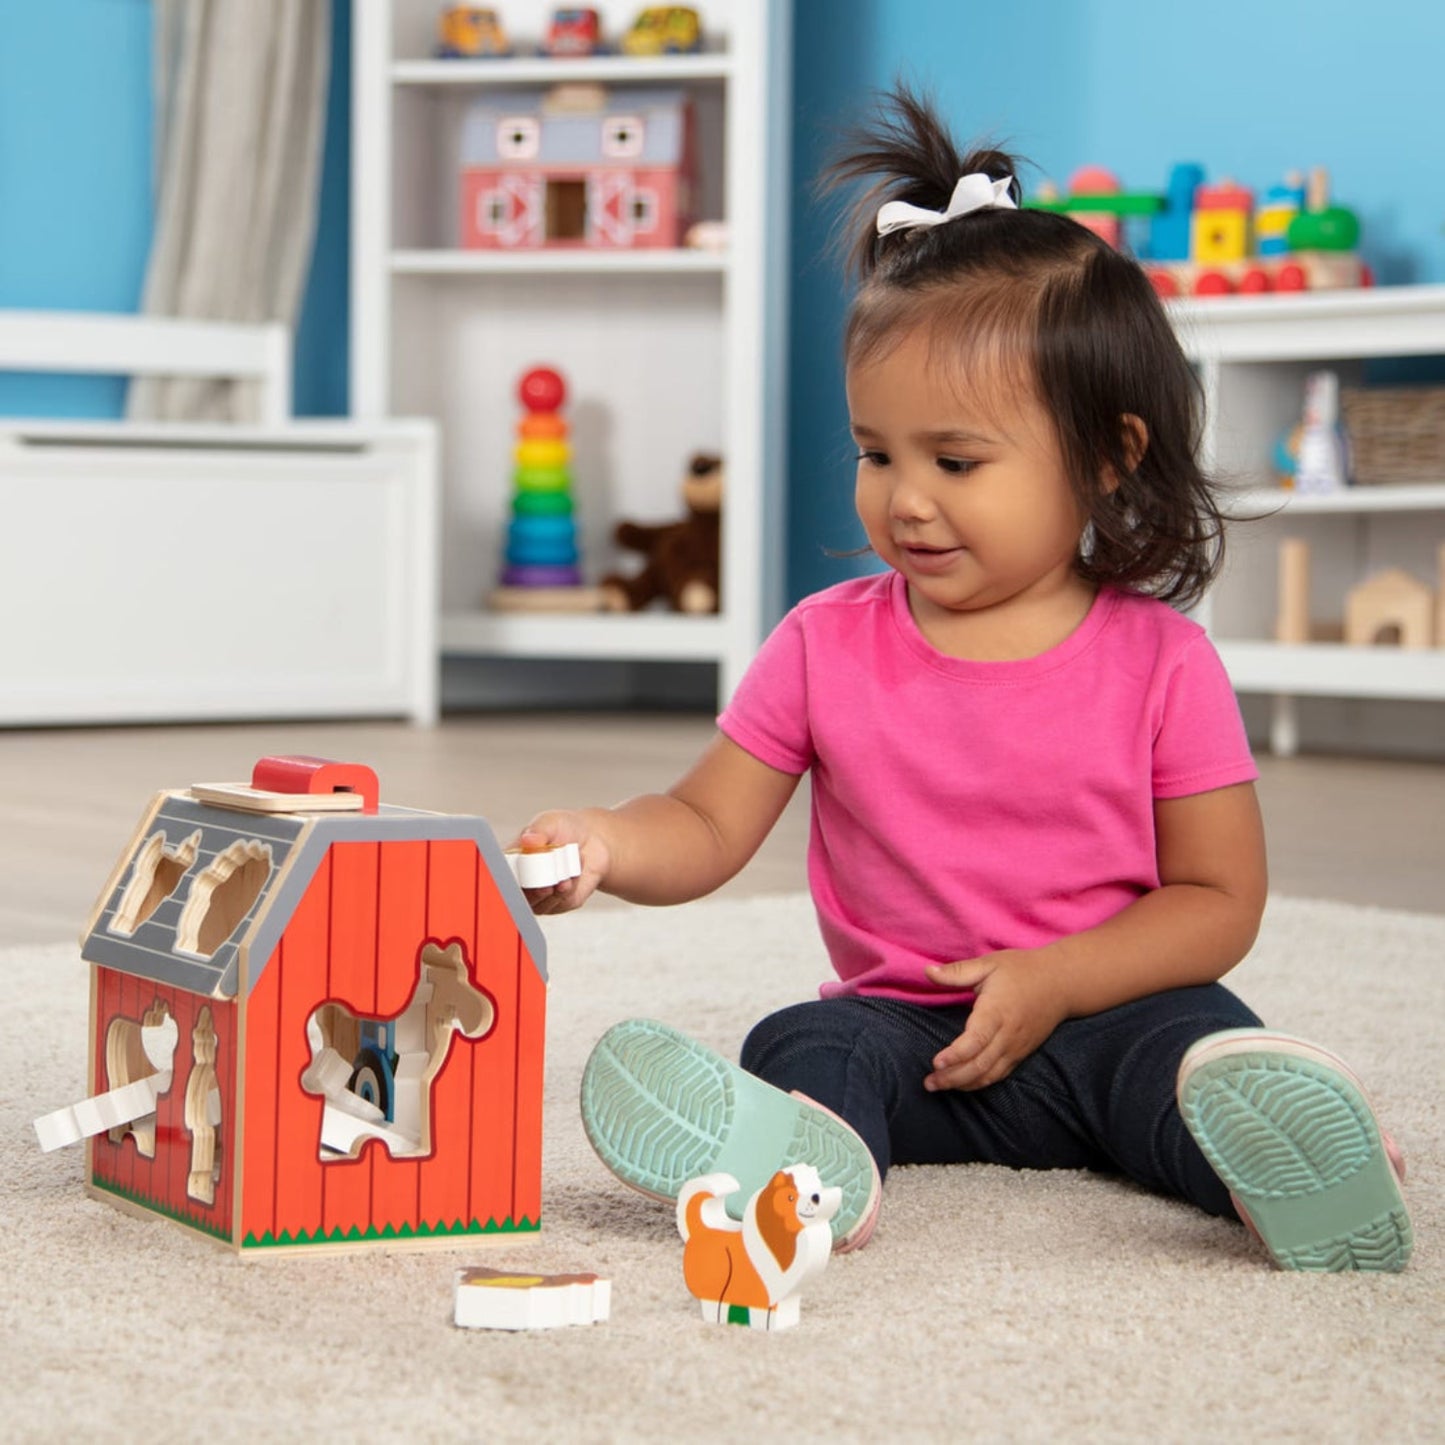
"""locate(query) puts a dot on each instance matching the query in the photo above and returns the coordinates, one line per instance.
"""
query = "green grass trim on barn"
(216, 1231)
(372, 1235)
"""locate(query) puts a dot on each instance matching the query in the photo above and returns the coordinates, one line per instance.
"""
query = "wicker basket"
(1397, 433)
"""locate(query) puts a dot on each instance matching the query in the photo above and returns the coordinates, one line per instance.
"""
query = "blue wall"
(323, 328)
(1123, 83)
(76, 202)
(1248, 89)
(75, 177)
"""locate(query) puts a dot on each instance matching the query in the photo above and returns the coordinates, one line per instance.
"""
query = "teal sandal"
(1288, 1128)
(661, 1109)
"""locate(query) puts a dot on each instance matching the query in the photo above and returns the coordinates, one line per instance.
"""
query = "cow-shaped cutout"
(156, 874)
(376, 1075)
(136, 1051)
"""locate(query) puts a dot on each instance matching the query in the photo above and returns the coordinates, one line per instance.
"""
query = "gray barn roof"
(297, 842)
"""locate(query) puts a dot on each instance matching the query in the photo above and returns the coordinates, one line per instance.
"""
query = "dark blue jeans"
(1098, 1094)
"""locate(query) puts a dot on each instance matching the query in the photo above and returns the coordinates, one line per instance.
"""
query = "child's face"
(968, 499)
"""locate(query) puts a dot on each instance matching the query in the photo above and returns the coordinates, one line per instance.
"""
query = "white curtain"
(240, 112)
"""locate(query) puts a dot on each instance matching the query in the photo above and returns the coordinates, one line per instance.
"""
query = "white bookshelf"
(1253, 354)
(443, 262)
(665, 352)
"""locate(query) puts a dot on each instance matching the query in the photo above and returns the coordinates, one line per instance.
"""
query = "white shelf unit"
(1253, 354)
(665, 352)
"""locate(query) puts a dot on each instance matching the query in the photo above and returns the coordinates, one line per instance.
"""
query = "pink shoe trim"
(861, 1232)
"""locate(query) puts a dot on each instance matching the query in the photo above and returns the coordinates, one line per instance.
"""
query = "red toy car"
(575, 30)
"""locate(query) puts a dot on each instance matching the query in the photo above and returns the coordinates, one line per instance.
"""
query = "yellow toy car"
(470, 32)
(664, 30)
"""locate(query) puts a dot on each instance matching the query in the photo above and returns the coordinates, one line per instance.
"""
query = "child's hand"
(552, 830)
(1019, 1005)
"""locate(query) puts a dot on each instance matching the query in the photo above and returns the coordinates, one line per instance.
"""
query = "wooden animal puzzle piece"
(494, 1299)
(545, 867)
(751, 1273)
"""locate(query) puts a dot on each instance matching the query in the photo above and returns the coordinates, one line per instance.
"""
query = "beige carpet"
(992, 1305)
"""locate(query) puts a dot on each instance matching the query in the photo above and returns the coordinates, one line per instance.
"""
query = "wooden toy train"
(1212, 239)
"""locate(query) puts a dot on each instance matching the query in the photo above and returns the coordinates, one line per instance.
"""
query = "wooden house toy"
(577, 166)
(1390, 605)
(349, 1001)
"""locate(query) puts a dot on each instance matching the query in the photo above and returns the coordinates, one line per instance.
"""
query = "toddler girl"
(1035, 842)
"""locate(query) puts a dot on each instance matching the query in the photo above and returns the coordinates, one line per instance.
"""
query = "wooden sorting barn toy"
(323, 1017)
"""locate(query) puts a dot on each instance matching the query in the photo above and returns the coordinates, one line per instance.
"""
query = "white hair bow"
(976, 192)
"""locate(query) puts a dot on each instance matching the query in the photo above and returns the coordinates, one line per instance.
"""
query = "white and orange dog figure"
(751, 1273)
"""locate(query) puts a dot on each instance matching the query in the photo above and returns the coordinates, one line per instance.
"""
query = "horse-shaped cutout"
(376, 1075)
(203, 1112)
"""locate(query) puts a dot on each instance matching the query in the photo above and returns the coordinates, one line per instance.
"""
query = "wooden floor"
(1354, 830)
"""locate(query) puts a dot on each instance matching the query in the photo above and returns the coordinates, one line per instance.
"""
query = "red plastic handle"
(297, 773)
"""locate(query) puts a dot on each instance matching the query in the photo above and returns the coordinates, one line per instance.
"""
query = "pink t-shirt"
(964, 807)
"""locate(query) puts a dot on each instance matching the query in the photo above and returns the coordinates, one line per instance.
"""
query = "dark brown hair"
(1041, 301)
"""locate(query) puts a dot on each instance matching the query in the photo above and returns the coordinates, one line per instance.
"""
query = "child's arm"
(668, 847)
(1192, 929)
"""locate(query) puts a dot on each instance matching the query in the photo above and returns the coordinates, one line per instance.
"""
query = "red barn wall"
(355, 938)
(161, 1181)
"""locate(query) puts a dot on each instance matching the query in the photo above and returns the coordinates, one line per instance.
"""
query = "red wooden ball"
(1291, 278)
(542, 389)
(1165, 286)
(1212, 283)
(1254, 281)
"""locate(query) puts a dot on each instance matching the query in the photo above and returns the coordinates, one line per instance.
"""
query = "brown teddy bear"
(682, 557)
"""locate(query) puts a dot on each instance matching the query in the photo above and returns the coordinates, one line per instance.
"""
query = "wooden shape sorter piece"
(139, 1062)
(494, 1299)
(545, 867)
(752, 1273)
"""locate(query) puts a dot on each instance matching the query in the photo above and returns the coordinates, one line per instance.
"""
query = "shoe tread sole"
(660, 1109)
(1296, 1142)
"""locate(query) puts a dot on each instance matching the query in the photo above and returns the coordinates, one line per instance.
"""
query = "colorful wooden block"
(1220, 229)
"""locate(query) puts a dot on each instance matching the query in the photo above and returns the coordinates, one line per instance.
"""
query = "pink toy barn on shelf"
(358, 998)
(577, 166)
